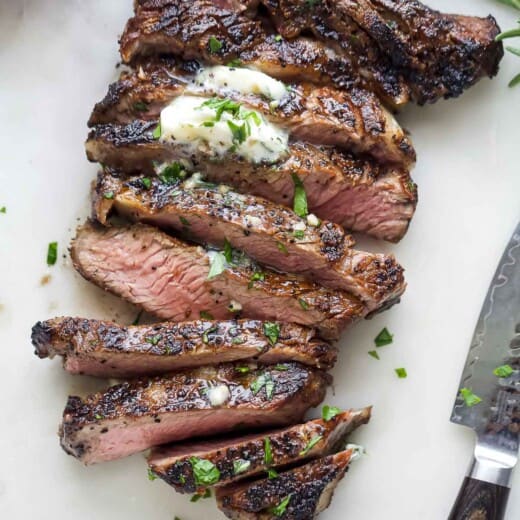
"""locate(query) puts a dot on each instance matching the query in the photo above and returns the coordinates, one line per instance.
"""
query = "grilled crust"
(185, 29)
(258, 227)
(310, 488)
(288, 446)
(333, 179)
(353, 120)
(88, 422)
(107, 257)
(113, 350)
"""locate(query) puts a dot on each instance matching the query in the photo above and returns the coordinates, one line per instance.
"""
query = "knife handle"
(480, 500)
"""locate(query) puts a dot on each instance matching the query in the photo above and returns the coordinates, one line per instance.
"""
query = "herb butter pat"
(243, 80)
(218, 395)
(206, 124)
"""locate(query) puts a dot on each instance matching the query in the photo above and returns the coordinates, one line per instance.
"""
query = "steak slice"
(357, 194)
(170, 279)
(354, 120)
(134, 416)
(439, 55)
(218, 34)
(270, 234)
(297, 494)
(103, 348)
(243, 457)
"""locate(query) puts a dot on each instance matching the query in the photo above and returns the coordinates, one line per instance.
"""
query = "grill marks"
(169, 278)
(358, 194)
(137, 415)
(102, 348)
(353, 120)
(287, 447)
(397, 49)
(257, 227)
(305, 491)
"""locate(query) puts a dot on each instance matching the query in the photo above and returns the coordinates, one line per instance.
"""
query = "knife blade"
(493, 411)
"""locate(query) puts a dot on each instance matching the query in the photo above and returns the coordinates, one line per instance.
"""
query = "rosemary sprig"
(511, 33)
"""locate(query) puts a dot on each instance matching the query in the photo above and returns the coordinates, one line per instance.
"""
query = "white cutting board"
(56, 59)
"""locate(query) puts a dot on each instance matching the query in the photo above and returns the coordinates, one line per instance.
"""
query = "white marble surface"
(56, 59)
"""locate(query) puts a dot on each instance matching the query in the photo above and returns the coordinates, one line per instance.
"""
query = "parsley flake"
(470, 399)
(206, 315)
(374, 354)
(279, 510)
(300, 197)
(154, 340)
(401, 373)
(282, 247)
(3, 209)
(383, 338)
(228, 251)
(241, 465)
(258, 276)
(108, 195)
(156, 134)
(204, 471)
(329, 412)
(303, 304)
(503, 371)
(217, 265)
(214, 44)
(151, 475)
(310, 445)
(271, 473)
(52, 253)
(268, 452)
(272, 331)
(172, 173)
(146, 182)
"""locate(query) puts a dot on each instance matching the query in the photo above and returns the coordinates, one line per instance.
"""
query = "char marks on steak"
(288, 446)
(185, 29)
(358, 194)
(304, 491)
(354, 120)
(169, 278)
(134, 416)
(269, 233)
(103, 348)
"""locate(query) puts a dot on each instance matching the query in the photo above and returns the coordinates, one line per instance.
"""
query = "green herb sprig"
(511, 33)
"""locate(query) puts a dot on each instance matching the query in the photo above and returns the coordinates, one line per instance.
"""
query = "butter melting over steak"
(358, 194)
(354, 120)
(106, 349)
(298, 494)
(136, 415)
(239, 458)
(170, 279)
(190, 29)
(271, 234)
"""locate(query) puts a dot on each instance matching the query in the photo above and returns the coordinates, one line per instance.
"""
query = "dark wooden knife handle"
(479, 500)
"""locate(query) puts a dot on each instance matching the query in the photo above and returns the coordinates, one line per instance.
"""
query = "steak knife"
(488, 400)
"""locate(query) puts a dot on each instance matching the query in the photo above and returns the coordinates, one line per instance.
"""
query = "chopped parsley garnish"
(503, 371)
(303, 304)
(214, 44)
(279, 510)
(299, 234)
(281, 247)
(278, 38)
(3, 209)
(217, 266)
(222, 105)
(240, 132)
(140, 106)
(205, 315)
(383, 338)
(52, 253)
(98, 417)
(250, 114)
(235, 63)
(154, 340)
(271, 473)
(257, 276)
(228, 251)
(206, 494)
(108, 195)
(208, 124)
(281, 368)
(172, 173)
(243, 370)
(311, 445)
(204, 471)
(205, 338)
(300, 197)
(401, 373)
(151, 475)
(184, 221)
(137, 318)
(261, 381)
(157, 132)
(146, 182)
(329, 412)
(374, 354)
(241, 465)
(268, 452)
(272, 331)
(269, 388)
(238, 340)
(470, 399)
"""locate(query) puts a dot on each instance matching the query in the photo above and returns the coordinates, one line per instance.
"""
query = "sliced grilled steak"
(357, 194)
(439, 55)
(271, 234)
(356, 120)
(298, 494)
(217, 34)
(170, 279)
(137, 415)
(103, 348)
(242, 457)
